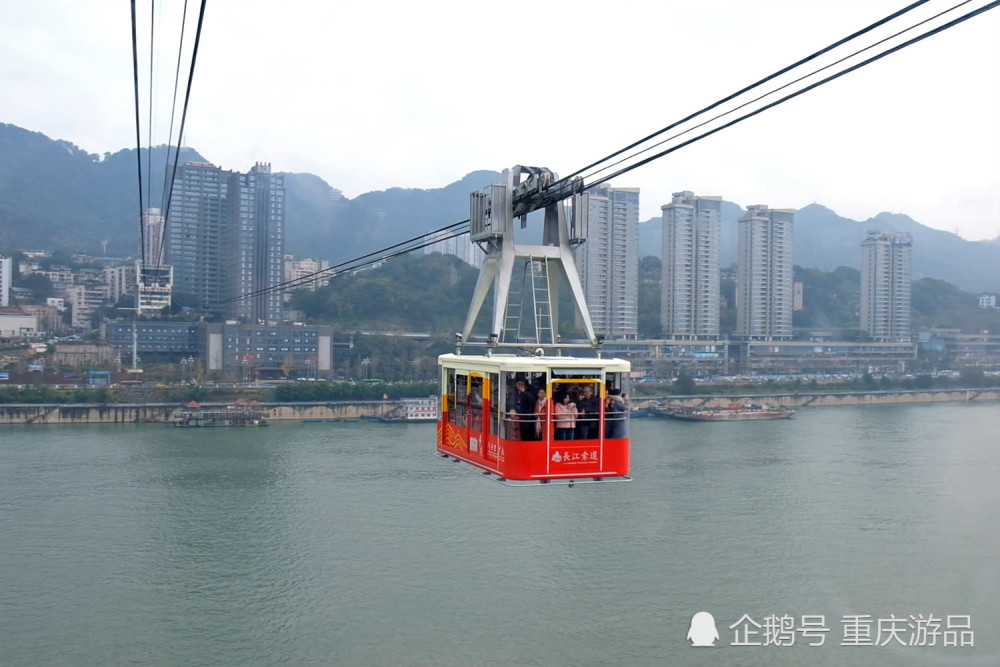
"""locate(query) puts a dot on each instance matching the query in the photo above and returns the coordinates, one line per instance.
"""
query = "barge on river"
(240, 414)
(732, 412)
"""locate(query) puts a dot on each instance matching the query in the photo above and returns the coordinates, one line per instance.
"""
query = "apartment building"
(689, 296)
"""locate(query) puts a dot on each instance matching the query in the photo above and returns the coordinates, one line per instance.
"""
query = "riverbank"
(130, 413)
(831, 398)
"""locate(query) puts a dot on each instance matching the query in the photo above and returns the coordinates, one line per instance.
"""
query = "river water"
(874, 530)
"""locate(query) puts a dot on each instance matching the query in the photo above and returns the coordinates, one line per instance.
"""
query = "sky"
(379, 94)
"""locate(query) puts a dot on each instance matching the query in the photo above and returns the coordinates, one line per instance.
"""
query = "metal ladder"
(533, 292)
(512, 314)
(542, 305)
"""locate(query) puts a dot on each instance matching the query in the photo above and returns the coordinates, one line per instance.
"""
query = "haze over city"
(392, 94)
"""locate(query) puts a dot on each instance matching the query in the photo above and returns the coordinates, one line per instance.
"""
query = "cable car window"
(461, 399)
(450, 393)
(494, 402)
(589, 407)
(616, 406)
(475, 403)
(519, 406)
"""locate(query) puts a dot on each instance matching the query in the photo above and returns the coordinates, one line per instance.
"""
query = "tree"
(40, 285)
(972, 376)
(649, 324)
(868, 383)
(684, 385)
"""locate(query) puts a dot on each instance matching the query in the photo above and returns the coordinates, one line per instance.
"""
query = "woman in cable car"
(497, 414)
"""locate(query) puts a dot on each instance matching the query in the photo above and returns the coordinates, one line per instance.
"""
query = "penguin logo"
(702, 631)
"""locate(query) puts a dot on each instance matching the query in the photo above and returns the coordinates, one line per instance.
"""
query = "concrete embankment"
(125, 413)
(820, 399)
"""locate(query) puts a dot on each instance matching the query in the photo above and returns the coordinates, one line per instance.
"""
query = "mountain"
(322, 223)
(55, 196)
(825, 240)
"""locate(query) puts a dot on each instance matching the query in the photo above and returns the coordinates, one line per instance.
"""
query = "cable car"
(499, 413)
(522, 411)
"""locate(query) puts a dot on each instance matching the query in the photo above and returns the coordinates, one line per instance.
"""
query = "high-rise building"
(764, 292)
(152, 238)
(609, 262)
(225, 239)
(461, 247)
(196, 219)
(6, 273)
(254, 248)
(886, 275)
(121, 280)
(689, 296)
(153, 276)
(306, 273)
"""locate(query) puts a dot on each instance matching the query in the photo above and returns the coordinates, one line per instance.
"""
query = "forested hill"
(824, 240)
(410, 292)
(54, 196)
(431, 293)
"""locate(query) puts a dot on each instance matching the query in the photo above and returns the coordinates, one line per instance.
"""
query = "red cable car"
(536, 419)
(522, 411)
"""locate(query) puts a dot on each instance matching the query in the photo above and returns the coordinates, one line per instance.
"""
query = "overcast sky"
(377, 94)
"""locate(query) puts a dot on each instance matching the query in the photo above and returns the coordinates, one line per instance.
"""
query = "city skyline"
(404, 120)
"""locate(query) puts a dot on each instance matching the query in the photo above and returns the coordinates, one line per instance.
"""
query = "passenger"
(476, 409)
(522, 411)
(542, 407)
(565, 418)
(589, 414)
(512, 430)
(616, 414)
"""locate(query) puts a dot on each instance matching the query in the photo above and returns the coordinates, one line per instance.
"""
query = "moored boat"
(731, 412)
(240, 414)
(414, 410)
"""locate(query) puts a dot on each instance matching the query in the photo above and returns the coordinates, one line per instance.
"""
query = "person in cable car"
(565, 417)
(615, 412)
(589, 408)
(522, 411)
(542, 407)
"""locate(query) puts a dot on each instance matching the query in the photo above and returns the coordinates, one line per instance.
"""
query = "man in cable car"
(589, 408)
(522, 410)
(615, 414)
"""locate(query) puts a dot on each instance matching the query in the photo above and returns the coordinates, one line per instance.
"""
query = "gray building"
(258, 351)
(764, 291)
(609, 262)
(689, 297)
(254, 249)
(225, 239)
(886, 275)
(6, 272)
(231, 351)
(196, 218)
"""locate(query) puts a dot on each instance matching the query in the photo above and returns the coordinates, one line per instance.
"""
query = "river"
(871, 531)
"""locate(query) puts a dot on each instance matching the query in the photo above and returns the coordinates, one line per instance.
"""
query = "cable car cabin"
(536, 419)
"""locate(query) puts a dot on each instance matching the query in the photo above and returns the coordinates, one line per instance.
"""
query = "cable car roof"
(510, 362)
